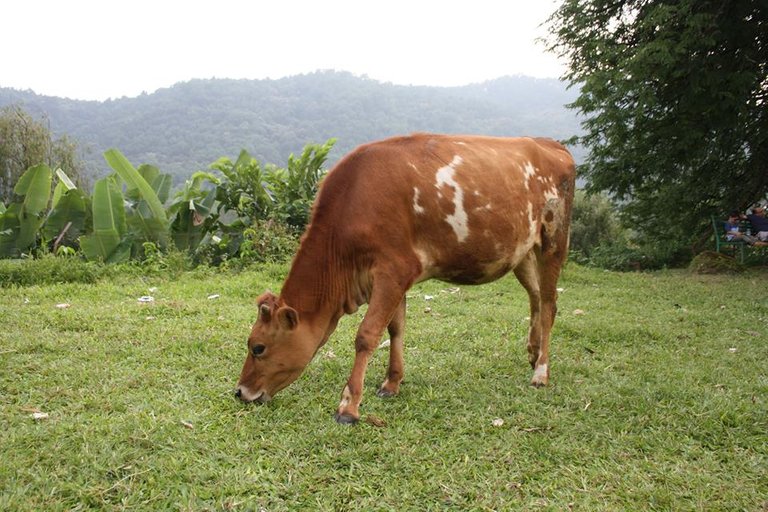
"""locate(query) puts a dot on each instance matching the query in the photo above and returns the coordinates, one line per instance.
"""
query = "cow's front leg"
(386, 297)
(396, 329)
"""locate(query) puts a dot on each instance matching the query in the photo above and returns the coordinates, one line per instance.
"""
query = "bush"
(594, 224)
(599, 239)
(48, 270)
(711, 262)
(268, 242)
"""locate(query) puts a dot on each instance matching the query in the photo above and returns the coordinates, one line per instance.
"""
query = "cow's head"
(279, 348)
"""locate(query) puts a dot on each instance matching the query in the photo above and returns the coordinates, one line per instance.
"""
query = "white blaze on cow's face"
(445, 176)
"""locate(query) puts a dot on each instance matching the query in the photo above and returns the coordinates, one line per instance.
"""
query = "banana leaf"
(160, 183)
(71, 207)
(35, 186)
(64, 185)
(156, 221)
(188, 227)
(9, 228)
(107, 242)
(20, 223)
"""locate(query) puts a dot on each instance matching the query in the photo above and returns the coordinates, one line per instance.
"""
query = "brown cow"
(462, 209)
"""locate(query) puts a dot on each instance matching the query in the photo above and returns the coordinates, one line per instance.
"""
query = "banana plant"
(146, 191)
(21, 221)
(108, 241)
(191, 207)
(69, 209)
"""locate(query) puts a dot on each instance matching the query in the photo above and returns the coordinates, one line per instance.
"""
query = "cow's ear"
(288, 317)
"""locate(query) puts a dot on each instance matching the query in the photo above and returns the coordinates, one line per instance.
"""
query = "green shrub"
(171, 261)
(48, 270)
(711, 262)
(268, 242)
(594, 223)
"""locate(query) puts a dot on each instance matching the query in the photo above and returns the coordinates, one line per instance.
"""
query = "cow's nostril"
(238, 392)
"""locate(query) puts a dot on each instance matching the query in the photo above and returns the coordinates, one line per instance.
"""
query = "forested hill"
(184, 128)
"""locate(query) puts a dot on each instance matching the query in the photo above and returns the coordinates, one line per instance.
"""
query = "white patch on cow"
(532, 225)
(458, 219)
(346, 397)
(551, 193)
(416, 206)
(540, 374)
(529, 170)
(424, 258)
(413, 166)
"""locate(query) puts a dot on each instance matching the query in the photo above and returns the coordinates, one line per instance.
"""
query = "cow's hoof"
(385, 393)
(345, 419)
(540, 376)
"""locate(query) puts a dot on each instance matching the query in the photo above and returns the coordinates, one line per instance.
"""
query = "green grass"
(658, 400)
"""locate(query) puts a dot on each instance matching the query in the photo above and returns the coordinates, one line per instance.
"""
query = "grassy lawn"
(658, 400)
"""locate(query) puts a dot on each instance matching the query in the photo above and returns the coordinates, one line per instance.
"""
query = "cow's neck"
(322, 284)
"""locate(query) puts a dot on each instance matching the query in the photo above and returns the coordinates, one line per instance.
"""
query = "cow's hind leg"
(539, 274)
(528, 273)
(396, 329)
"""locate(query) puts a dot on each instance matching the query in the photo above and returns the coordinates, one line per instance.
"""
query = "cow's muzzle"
(243, 394)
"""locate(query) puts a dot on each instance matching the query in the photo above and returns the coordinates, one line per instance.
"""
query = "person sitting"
(733, 229)
(759, 222)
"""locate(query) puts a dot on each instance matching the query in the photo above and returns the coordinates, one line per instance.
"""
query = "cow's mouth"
(261, 396)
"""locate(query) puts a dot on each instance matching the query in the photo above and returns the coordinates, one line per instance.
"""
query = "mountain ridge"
(185, 127)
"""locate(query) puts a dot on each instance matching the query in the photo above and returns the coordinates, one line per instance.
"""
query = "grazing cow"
(462, 209)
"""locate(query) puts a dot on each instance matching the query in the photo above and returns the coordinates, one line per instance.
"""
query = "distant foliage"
(26, 142)
(185, 127)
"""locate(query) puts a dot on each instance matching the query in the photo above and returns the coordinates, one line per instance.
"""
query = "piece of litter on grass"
(63, 305)
(732, 349)
(214, 296)
(429, 297)
(37, 416)
(150, 318)
(330, 355)
(153, 289)
(578, 312)
(560, 290)
(146, 298)
(453, 290)
(375, 421)
(385, 343)
(186, 424)
(427, 310)
(26, 300)
(498, 422)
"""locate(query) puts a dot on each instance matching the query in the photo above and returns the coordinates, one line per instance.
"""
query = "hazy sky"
(99, 49)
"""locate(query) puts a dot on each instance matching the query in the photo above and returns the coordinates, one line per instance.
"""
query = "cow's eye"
(258, 350)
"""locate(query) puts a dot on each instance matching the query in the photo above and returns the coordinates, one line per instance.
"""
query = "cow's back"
(468, 207)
